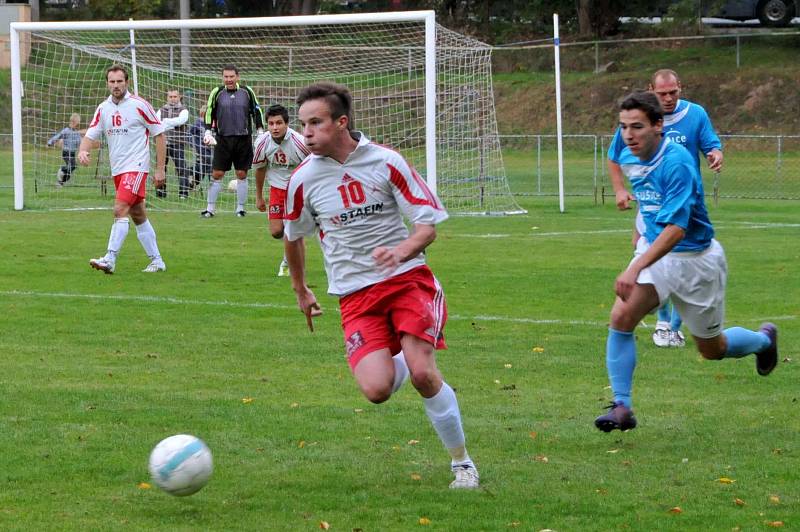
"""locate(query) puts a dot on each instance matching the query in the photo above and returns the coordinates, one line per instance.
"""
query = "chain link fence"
(755, 166)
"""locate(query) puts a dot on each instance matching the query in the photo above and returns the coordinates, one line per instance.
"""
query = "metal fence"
(755, 166)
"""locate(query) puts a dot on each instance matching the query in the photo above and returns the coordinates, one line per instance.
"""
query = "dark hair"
(230, 66)
(117, 68)
(338, 98)
(643, 101)
(278, 110)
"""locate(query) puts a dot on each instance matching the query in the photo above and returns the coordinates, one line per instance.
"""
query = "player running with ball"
(354, 194)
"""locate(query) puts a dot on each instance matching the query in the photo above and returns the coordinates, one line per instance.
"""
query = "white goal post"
(417, 87)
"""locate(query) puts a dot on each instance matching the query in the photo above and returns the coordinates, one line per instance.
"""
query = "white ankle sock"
(442, 409)
(147, 236)
(213, 194)
(241, 194)
(119, 230)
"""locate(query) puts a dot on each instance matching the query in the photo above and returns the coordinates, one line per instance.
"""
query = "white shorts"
(695, 282)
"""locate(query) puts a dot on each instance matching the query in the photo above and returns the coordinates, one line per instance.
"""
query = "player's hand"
(623, 198)
(307, 302)
(83, 158)
(625, 282)
(714, 159)
(387, 259)
(159, 179)
(261, 204)
(208, 138)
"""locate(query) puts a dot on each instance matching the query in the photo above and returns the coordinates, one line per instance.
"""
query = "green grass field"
(97, 369)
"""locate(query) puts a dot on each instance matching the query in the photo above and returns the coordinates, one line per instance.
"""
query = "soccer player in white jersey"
(354, 194)
(683, 261)
(128, 123)
(275, 156)
(688, 124)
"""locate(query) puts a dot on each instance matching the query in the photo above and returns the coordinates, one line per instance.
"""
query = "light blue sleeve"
(708, 137)
(616, 147)
(679, 194)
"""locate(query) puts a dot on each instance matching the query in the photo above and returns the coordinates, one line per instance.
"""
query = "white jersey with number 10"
(359, 206)
(127, 127)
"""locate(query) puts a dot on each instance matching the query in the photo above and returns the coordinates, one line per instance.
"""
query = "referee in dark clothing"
(231, 111)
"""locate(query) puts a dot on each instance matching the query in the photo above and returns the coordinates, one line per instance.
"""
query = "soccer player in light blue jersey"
(683, 261)
(686, 123)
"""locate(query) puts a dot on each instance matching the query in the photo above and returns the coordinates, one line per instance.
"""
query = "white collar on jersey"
(677, 115)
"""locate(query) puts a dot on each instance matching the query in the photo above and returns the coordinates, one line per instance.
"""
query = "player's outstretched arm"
(306, 300)
(387, 259)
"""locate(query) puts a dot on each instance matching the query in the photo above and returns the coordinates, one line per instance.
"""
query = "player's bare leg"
(441, 406)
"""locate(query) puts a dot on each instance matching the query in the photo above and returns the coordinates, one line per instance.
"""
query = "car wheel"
(776, 13)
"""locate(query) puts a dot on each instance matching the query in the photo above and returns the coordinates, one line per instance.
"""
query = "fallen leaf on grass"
(413, 442)
(324, 525)
(143, 486)
(739, 502)
(507, 366)
(774, 524)
(514, 524)
(675, 510)
(416, 476)
(538, 349)
(774, 499)
(424, 521)
(496, 381)
(533, 435)
(358, 410)
(247, 400)
(294, 405)
(725, 480)
(301, 444)
(541, 458)
(613, 451)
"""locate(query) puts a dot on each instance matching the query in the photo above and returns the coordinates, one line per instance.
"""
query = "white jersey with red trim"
(127, 127)
(359, 206)
(280, 158)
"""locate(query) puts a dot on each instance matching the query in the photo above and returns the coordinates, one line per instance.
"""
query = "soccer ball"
(181, 464)
(233, 185)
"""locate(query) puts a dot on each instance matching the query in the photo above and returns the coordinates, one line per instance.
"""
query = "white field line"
(235, 304)
(735, 226)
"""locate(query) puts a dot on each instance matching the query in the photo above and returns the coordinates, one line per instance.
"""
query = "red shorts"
(277, 203)
(377, 316)
(131, 187)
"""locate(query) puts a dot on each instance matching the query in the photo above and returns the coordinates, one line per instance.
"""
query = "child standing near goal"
(355, 194)
(128, 123)
(70, 138)
(276, 154)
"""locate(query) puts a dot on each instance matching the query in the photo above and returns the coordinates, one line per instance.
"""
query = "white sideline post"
(16, 119)
(428, 17)
(557, 60)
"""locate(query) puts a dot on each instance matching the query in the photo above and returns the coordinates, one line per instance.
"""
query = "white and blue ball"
(181, 464)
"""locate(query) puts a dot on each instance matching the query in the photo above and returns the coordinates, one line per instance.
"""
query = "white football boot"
(467, 477)
(104, 264)
(662, 334)
(155, 266)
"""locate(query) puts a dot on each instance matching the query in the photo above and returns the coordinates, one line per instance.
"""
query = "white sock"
(119, 230)
(213, 194)
(442, 409)
(147, 236)
(400, 369)
(241, 193)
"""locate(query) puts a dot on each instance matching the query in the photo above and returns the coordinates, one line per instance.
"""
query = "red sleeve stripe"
(149, 108)
(424, 186)
(149, 119)
(301, 145)
(96, 119)
(399, 180)
(258, 156)
(297, 204)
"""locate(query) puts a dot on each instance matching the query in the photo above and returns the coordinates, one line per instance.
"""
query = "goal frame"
(428, 17)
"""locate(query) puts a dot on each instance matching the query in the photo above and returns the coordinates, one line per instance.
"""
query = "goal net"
(382, 61)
